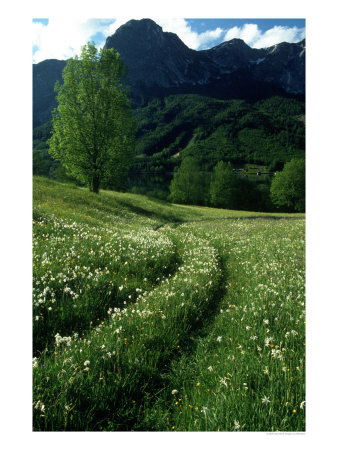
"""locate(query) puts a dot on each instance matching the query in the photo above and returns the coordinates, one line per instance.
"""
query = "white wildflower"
(223, 381)
(219, 339)
(265, 399)
(267, 341)
(40, 405)
(174, 391)
(62, 340)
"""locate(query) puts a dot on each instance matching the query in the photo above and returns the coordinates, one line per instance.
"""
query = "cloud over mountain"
(253, 36)
(62, 38)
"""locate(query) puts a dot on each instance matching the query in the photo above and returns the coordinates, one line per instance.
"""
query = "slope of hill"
(232, 130)
(148, 316)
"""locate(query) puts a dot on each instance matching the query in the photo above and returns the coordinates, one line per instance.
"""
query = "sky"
(62, 38)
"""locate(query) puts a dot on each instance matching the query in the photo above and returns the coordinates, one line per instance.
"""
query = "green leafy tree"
(188, 184)
(288, 186)
(93, 129)
(224, 186)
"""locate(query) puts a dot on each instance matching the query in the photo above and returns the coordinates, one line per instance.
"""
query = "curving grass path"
(149, 316)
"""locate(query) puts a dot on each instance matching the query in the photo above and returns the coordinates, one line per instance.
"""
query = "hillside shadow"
(162, 216)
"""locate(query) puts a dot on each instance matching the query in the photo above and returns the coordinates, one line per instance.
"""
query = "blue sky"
(62, 38)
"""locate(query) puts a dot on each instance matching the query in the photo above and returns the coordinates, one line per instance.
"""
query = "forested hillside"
(266, 133)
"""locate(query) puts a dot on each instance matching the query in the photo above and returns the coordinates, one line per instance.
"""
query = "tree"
(188, 184)
(224, 186)
(288, 186)
(93, 129)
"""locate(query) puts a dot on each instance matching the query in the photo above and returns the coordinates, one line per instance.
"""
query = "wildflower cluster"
(78, 275)
(255, 353)
(135, 340)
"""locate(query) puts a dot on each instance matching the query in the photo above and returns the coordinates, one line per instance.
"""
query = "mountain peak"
(146, 26)
(137, 35)
(236, 41)
(233, 45)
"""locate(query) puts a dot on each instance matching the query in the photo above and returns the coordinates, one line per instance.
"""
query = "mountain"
(160, 59)
(160, 64)
(45, 75)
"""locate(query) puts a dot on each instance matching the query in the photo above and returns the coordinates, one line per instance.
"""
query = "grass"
(160, 317)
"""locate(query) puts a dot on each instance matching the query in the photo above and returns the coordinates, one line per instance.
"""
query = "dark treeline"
(225, 189)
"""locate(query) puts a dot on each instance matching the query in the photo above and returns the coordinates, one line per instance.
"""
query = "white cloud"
(191, 38)
(117, 24)
(249, 33)
(279, 34)
(254, 37)
(207, 37)
(63, 38)
(181, 28)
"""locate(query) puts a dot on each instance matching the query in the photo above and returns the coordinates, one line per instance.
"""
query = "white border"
(321, 225)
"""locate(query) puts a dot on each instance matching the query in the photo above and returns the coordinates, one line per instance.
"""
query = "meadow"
(149, 316)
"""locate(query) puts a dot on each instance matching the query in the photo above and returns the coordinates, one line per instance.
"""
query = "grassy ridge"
(150, 316)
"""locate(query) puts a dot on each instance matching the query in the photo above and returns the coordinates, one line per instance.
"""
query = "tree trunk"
(94, 184)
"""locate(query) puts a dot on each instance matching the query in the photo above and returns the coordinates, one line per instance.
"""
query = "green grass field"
(158, 317)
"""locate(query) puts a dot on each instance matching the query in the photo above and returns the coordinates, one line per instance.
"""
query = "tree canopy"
(93, 128)
(288, 186)
(224, 186)
(188, 184)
